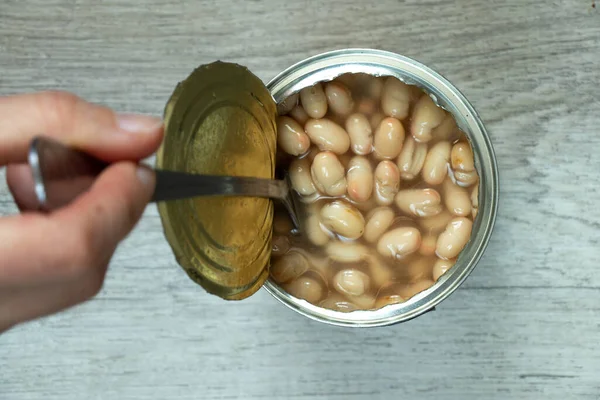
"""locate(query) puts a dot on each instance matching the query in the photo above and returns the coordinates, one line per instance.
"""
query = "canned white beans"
(300, 176)
(419, 202)
(388, 138)
(299, 114)
(435, 167)
(360, 133)
(426, 117)
(328, 174)
(360, 179)
(389, 161)
(339, 98)
(378, 222)
(395, 98)
(327, 135)
(454, 238)
(291, 137)
(343, 219)
(387, 182)
(412, 158)
(314, 101)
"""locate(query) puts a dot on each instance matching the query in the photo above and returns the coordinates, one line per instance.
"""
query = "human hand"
(49, 262)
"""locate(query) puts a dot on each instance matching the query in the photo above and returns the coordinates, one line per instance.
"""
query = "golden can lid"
(220, 121)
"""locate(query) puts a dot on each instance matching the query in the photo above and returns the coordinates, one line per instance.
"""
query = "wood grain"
(526, 323)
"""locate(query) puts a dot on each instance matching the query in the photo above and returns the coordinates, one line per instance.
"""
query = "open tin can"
(221, 268)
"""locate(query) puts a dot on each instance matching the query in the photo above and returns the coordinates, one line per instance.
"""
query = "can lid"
(220, 121)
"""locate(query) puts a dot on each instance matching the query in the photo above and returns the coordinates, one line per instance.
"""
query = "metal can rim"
(329, 65)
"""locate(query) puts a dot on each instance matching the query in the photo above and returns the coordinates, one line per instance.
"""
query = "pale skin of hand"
(52, 261)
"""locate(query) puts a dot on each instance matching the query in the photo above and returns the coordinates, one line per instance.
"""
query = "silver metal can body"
(327, 66)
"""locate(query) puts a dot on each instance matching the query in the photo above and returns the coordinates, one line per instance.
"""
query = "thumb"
(111, 208)
(76, 240)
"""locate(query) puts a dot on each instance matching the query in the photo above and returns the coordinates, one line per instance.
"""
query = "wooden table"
(525, 325)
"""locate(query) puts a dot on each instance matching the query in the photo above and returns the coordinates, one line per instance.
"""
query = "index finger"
(64, 116)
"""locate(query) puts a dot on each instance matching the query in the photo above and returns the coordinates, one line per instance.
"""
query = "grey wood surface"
(525, 325)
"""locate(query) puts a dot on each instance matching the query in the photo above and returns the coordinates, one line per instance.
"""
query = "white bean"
(388, 138)
(339, 98)
(327, 135)
(368, 85)
(300, 177)
(318, 265)
(348, 79)
(376, 119)
(380, 272)
(419, 202)
(435, 168)
(388, 297)
(343, 219)
(426, 116)
(395, 98)
(351, 282)
(315, 232)
(279, 245)
(289, 267)
(378, 221)
(441, 267)
(387, 182)
(474, 201)
(412, 289)
(456, 198)
(462, 157)
(365, 301)
(454, 238)
(299, 114)
(314, 101)
(399, 242)
(360, 133)
(336, 302)
(374, 87)
(436, 224)
(428, 245)
(411, 159)
(447, 130)
(465, 179)
(291, 137)
(405, 221)
(328, 174)
(306, 288)
(359, 179)
(288, 104)
(345, 252)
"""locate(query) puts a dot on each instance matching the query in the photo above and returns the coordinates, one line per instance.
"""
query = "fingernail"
(135, 123)
(145, 175)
